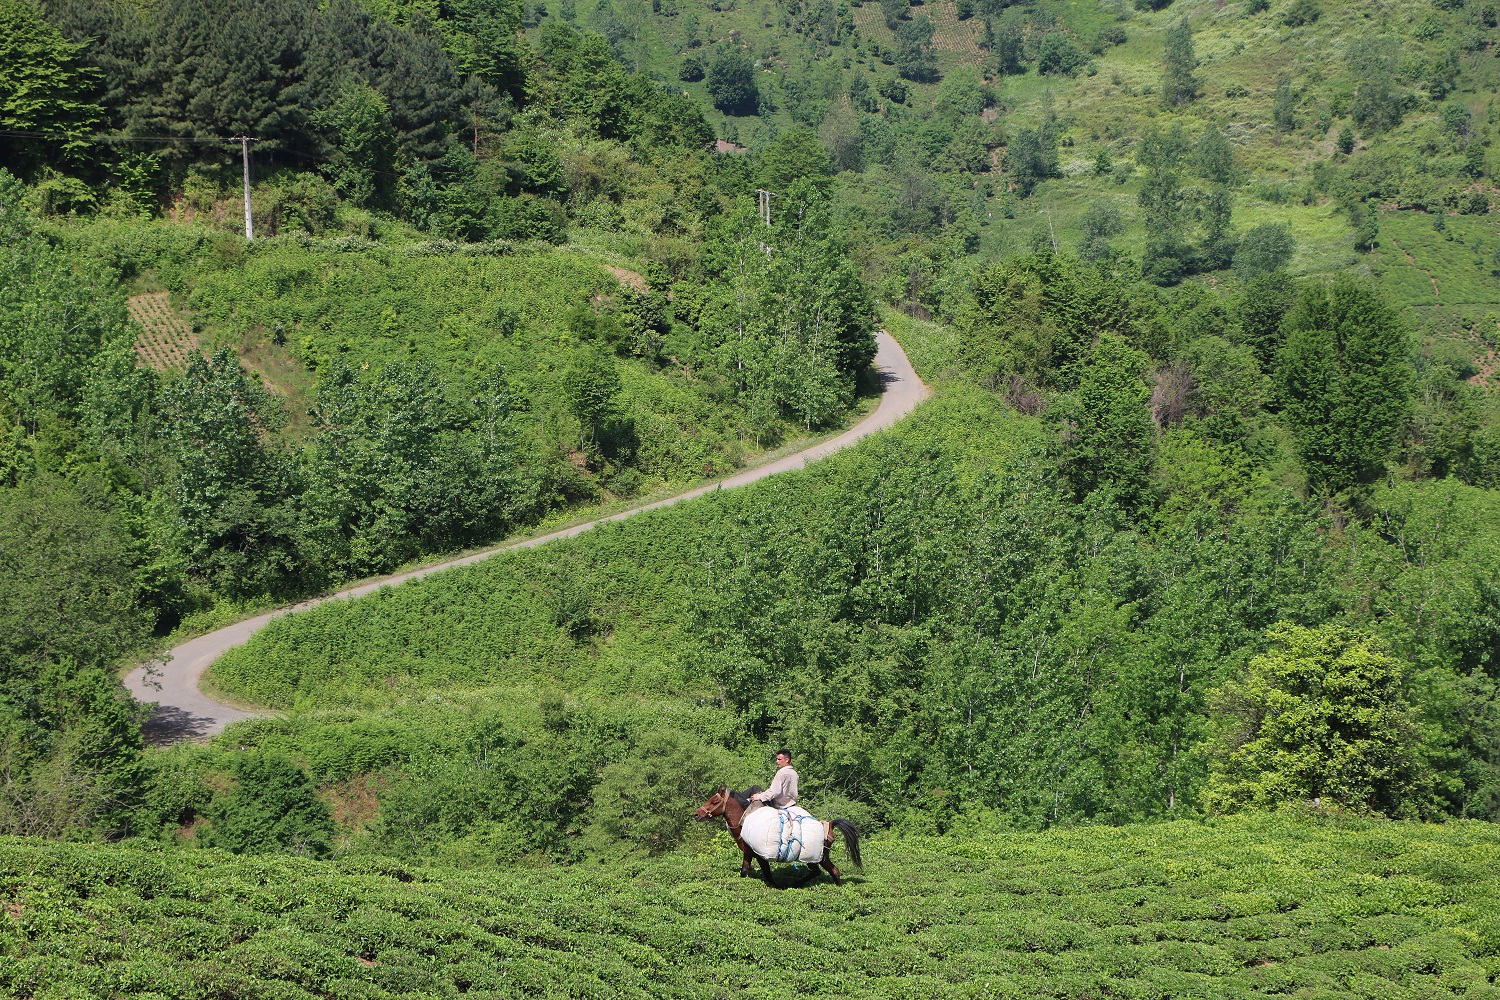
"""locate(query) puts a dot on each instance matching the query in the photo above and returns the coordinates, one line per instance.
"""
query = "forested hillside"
(1202, 519)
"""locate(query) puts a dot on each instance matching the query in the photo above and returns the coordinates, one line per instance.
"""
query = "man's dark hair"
(784, 752)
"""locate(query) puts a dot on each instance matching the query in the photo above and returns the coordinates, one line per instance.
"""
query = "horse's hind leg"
(832, 869)
(765, 869)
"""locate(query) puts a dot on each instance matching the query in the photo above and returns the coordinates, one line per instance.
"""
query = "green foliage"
(1037, 317)
(56, 315)
(1264, 249)
(1106, 439)
(1178, 84)
(229, 484)
(43, 85)
(1258, 312)
(68, 746)
(590, 385)
(1057, 54)
(1167, 256)
(915, 59)
(270, 808)
(788, 314)
(645, 803)
(1300, 13)
(796, 154)
(1236, 908)
(731, 82)
(1284, 106)
(1213, 157)
(1031, 157)
(1378, 103)
(1346, 379)
(365, 158)
(1100, 223)
(1319, 718)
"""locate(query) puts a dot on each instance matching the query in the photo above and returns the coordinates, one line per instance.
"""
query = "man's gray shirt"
(783, 790)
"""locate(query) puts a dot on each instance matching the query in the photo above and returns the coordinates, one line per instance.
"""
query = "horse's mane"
(743, 798)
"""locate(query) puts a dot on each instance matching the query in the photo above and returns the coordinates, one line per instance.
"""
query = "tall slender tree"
(1346, 379)
(1178, 83)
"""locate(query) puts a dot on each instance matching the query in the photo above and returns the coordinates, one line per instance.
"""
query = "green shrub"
(1058, 54)
(271, 807)
(1320, 719)
(1300, 13)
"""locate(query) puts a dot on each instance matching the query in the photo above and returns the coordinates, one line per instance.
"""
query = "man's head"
(783, 757)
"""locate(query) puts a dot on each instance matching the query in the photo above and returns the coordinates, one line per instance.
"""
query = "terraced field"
(1247, 907)
(166, 339)
(1445, 278)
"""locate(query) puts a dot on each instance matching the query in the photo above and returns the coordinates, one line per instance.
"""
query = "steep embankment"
(185, 711)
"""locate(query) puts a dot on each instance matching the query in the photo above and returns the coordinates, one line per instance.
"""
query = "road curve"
(185, 712)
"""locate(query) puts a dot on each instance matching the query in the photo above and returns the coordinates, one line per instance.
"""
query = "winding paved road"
(185, 712)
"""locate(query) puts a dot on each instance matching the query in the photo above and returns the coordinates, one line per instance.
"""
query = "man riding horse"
(783, 832)
(783, 791)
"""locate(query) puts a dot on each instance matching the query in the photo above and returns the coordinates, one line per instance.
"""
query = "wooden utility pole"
(245, 141)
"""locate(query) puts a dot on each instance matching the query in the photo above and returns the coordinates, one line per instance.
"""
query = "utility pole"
(245, 141)
(1050, 231)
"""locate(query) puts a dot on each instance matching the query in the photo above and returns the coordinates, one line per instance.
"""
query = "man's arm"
(778, 787)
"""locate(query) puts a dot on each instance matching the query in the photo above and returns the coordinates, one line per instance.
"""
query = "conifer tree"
(1283, 106)
(42, 86)
(1346, 380)
(1178, 84)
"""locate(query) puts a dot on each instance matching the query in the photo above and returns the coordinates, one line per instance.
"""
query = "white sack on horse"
(790, 834)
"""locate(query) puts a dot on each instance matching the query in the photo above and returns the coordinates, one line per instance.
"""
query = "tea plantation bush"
(1240, 908)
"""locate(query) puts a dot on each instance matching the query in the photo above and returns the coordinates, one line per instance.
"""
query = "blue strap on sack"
(785, 851)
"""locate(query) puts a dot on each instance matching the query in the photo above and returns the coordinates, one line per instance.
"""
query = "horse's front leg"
(745, 862)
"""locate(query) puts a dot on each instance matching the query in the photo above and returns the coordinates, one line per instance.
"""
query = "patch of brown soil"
(628, 277)
(14, 910)
(355, 802)
(189, 831)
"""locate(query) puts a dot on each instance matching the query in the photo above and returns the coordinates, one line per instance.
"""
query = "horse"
(733, 806)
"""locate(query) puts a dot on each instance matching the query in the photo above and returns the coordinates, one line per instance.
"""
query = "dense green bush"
(270, 807)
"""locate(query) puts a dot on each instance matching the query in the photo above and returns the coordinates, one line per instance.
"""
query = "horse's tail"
(851, 836)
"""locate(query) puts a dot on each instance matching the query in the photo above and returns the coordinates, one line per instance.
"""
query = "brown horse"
(733, 805)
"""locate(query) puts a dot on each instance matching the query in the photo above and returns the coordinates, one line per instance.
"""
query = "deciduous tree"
(1320, 718)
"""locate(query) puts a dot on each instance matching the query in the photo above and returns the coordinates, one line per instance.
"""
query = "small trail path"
(185, 712)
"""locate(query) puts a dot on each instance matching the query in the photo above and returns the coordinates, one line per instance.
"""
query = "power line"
(108, 139)
(65, 137)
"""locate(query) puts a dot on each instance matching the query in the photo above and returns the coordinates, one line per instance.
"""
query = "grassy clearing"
(1246, 907)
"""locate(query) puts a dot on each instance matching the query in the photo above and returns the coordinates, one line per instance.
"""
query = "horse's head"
(715, 806)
